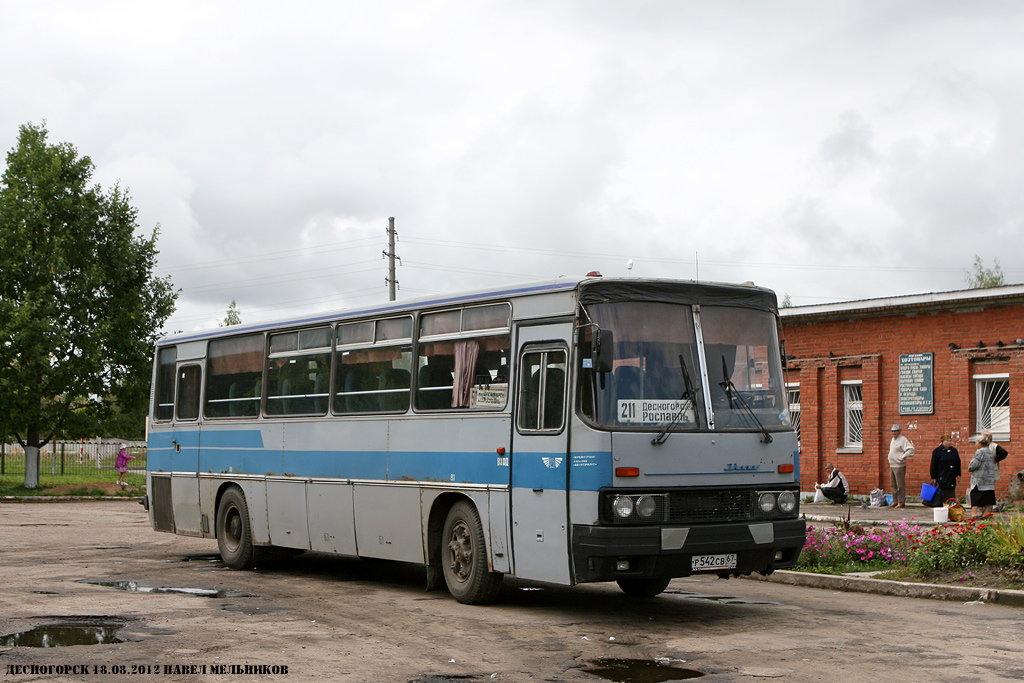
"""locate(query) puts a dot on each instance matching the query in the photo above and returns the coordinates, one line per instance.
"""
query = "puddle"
(135, 587)
(639, 671)
(68, 631)
(45, 592)
(112, 547)
(724, 599)
(209, 557)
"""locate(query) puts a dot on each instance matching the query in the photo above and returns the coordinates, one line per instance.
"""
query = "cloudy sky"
(828, 150)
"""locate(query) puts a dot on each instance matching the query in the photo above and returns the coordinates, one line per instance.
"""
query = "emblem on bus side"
(734, 467)
(552, 463)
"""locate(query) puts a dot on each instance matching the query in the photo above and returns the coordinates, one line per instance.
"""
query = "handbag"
(956, 510)
(928, 491)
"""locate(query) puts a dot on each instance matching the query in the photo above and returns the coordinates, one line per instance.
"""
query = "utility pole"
(390, 255)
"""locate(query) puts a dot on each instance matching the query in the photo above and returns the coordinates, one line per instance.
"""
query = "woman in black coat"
(945, 471)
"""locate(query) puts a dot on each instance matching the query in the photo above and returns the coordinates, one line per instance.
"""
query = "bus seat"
(287, 407)
(355, 402)
(394, 378)
(234, 407)
(434, 376)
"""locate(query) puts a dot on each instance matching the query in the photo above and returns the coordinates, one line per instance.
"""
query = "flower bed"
(947, 553)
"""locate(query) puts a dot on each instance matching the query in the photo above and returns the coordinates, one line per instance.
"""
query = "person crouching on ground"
(945, 470)
(983, 478)
(837, 488)
(900, 451)
(121, 465)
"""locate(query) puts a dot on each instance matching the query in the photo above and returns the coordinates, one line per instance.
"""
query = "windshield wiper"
(733, 395)
(688, 396)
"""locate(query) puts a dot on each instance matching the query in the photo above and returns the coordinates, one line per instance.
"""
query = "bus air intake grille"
(709, 506)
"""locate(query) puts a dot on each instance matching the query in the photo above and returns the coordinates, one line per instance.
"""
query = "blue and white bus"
(566, 431)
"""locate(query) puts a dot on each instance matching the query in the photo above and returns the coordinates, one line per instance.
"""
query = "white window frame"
(992, 404)
(853, 406)
(793, 390)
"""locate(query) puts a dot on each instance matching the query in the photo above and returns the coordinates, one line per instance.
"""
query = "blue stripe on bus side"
(242, 452)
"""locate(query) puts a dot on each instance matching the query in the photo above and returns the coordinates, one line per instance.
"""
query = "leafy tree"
(79, 305)
(786, 301)
(980, 277)
(233, 317)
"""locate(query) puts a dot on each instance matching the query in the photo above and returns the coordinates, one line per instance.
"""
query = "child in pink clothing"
(122, 464)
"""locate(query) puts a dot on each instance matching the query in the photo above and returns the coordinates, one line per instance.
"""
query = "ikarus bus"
(566, 431)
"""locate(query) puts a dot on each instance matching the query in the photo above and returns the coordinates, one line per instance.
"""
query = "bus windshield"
(656, 383)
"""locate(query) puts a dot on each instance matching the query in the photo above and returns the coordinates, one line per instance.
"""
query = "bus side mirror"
(603, 350)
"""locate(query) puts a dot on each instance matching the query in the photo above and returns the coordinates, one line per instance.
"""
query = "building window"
(793, 392)
(993, 404)
(853, 411)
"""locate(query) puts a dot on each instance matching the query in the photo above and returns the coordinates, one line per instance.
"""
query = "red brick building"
(941, 363)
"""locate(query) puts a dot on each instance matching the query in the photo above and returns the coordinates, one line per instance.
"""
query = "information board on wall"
(915, 384)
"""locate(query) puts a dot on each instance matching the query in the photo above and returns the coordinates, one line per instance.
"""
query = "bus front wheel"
(642, 588)
(464, 557)
(234, 533)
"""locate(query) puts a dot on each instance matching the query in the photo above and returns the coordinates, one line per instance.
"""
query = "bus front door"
(540, 535)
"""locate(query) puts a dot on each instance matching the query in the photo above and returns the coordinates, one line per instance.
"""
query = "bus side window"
(234, 370)
(189, 380)
(542, 391)
(164, 408)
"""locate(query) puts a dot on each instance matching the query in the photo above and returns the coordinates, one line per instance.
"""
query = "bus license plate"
(704, 563)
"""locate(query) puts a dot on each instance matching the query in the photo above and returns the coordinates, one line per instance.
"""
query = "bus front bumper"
(603, 553)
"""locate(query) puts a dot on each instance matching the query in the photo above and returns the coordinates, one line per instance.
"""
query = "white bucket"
(941, 514)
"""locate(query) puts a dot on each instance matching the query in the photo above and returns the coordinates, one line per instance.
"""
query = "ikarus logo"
(552, 463)
(736, 467)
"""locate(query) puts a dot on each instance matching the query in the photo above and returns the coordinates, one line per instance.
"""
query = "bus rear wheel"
(234, 533)
(464, 557)
(642, 588)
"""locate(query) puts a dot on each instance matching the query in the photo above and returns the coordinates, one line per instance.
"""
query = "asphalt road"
(326, 618)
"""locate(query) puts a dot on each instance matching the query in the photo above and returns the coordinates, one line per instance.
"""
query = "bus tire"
(464, 557)
(642, 588)
(234, 531)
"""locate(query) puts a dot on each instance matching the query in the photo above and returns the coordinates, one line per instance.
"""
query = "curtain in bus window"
(466, 352)
(233, 376)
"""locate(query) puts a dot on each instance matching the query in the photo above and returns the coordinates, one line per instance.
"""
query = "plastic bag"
(819, 497)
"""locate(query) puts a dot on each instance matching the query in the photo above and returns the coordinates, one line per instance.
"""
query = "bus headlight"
(646, 506)
(787, 501)
(623, 506)
(766, 501)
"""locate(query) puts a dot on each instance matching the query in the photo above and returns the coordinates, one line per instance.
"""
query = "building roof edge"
(867, 306)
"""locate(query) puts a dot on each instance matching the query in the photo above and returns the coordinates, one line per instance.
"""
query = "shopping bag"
(877, 498)
(819, 497)
(928, 492)
(956, 510)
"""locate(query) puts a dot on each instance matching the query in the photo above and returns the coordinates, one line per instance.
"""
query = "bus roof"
(631, 287)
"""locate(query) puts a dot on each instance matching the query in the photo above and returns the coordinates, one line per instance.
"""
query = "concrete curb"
(855, 584)
(872, 522)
